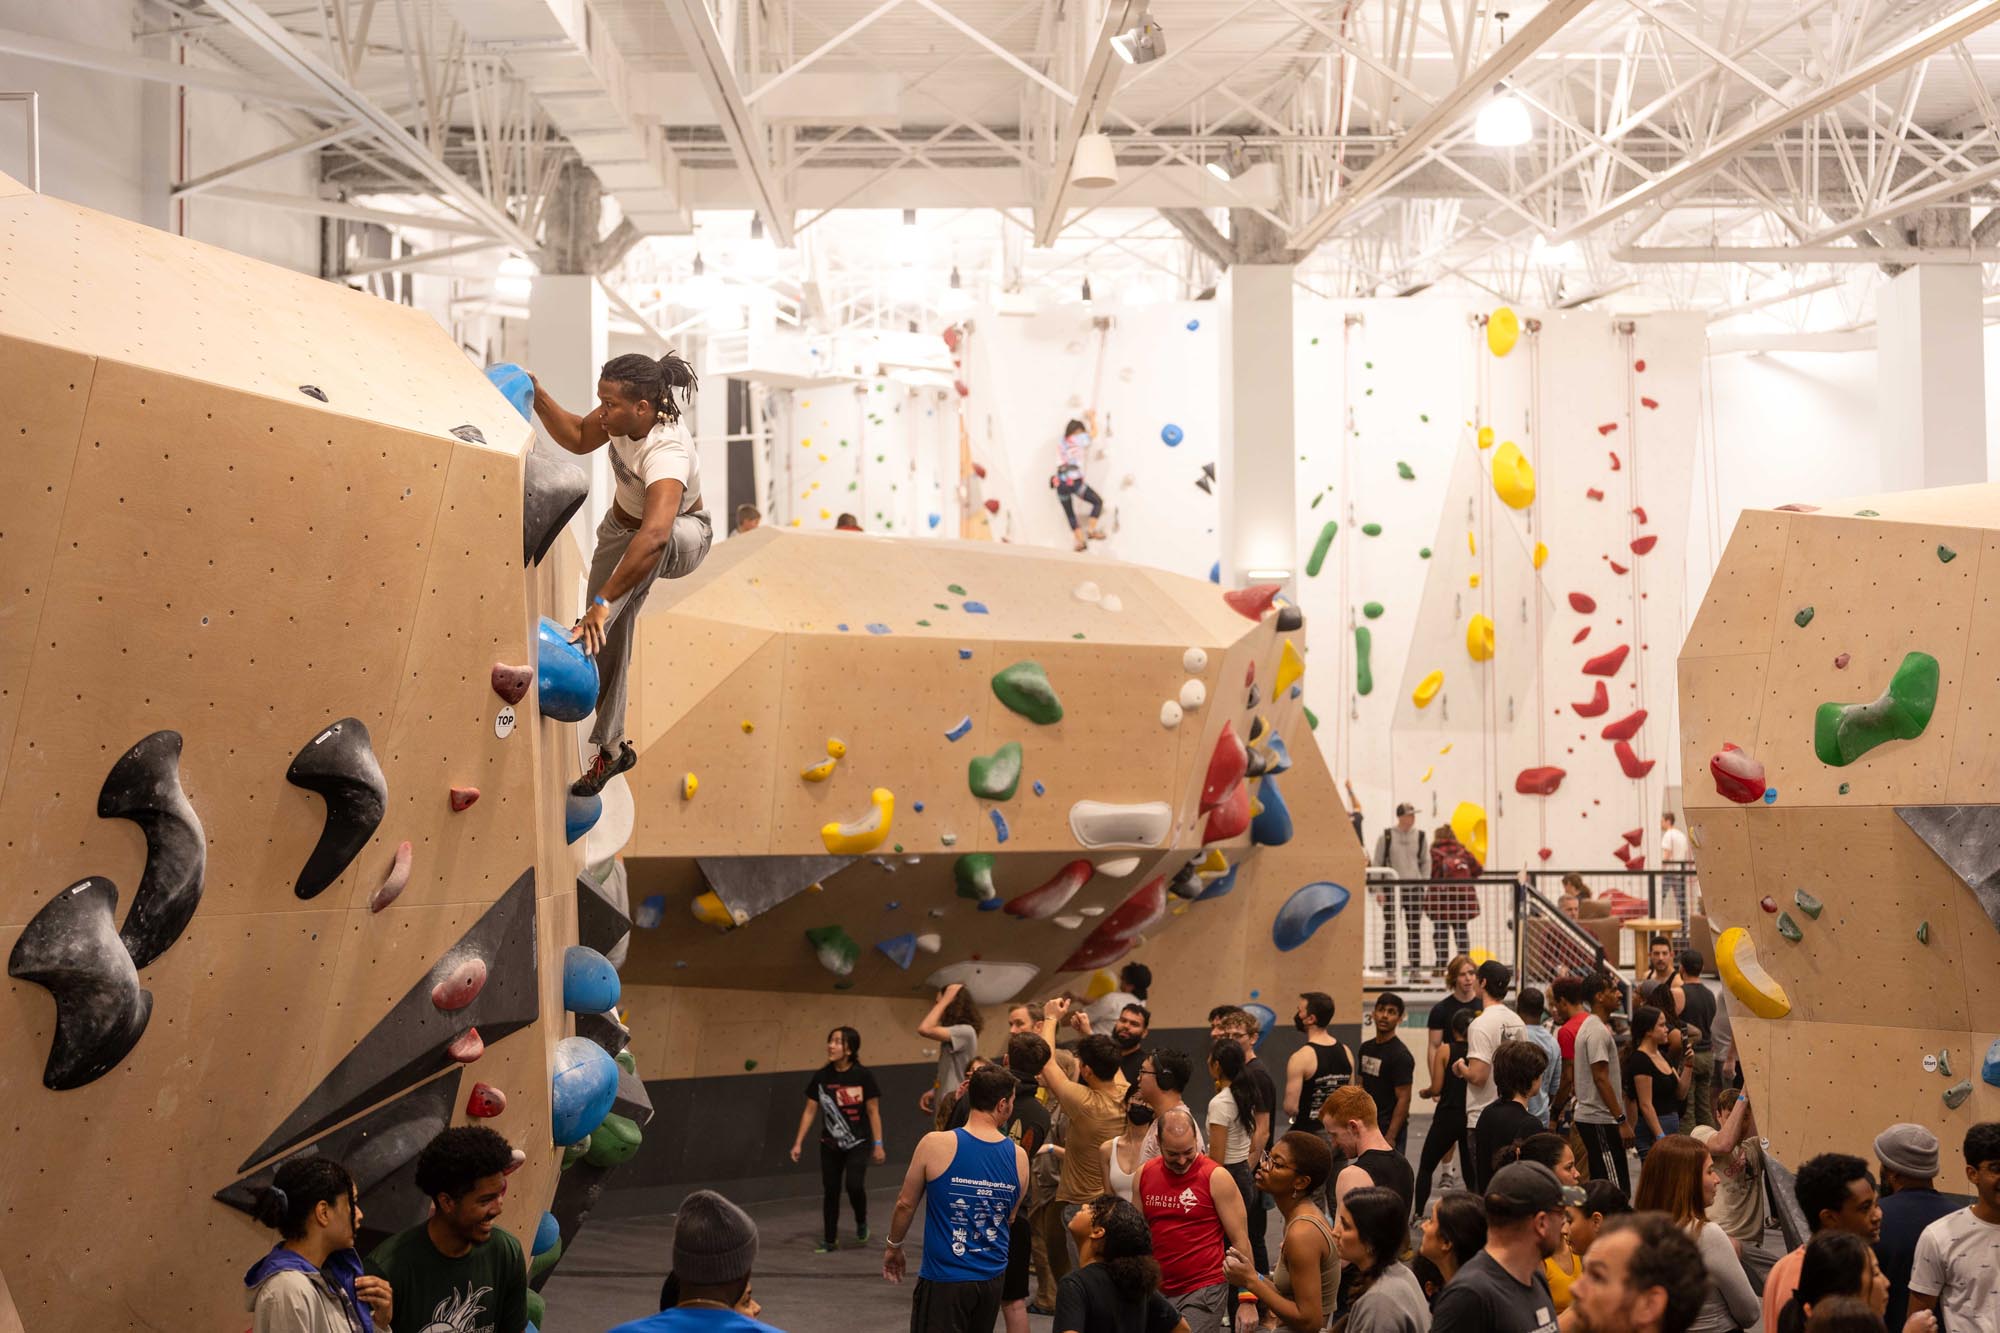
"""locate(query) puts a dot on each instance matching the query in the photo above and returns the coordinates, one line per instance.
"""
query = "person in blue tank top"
(971, 1181)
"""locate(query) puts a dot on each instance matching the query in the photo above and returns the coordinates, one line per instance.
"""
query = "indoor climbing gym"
(1064, 666)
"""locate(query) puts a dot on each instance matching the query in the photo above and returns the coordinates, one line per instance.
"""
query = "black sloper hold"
(144, 786)
(552, 489)
(1257, 764)
(1290, 618)
(339, 764)
(313, 391)
(470, 434)
(71, 949)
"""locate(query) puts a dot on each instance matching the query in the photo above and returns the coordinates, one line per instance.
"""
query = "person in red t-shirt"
(1566, 994)
(1195, 1213)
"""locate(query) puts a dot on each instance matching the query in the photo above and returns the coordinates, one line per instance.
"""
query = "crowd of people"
(1585, 1171)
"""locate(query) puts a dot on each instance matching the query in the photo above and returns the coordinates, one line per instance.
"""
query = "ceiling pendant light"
(1503, 122)
(1095, 166)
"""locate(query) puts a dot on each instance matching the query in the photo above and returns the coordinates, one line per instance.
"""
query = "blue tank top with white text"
(966, 1211)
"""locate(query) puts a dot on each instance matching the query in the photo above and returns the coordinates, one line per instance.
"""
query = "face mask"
(1139, 1113)
(1298, 1023)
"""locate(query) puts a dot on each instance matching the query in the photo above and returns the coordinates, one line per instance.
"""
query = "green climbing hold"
(1373, 610)
(537, 1308)
(1945, 554)
(1364, 673)
(1424, 417)
(1024, 687)
(836, 949)
(1405, 471)
(1423, 553)
(1318, 556)
(1789, 928)
(1312, 720)
(1866, 513)
(1368, 365)
(627, 1062)
(574, 1154)
(1077, 635)
(1842, 733)
(973, 874)
(1844, 788)
(1955, 1095)
(614, 1142)
(1371, 529)
(1923, 932)
(927, 624)
(1808, 904)
(548, 1258)
(1315, 342)
(996, 777)
(954, 590)
(1944, 1062)
(749, 1065)
(1316, 499)
(1804, 617)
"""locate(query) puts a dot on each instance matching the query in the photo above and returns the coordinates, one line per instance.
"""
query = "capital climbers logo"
(459, 1313)
(1187, 1200)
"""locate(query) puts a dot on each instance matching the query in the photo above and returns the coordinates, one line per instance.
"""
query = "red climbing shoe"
(604, 767)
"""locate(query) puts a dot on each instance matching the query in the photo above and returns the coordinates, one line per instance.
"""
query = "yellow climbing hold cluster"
(821, 771)
(1503, 330)
(836, 748)
(1427, 689)
(1513, 477)
(1290, 668)
(1479, 639)
(1736, 960)
(859, 836)
(1468, 825)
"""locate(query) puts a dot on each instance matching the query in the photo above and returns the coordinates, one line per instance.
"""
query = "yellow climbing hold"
(1503, 330)
(865, 834)
(1427, 689)
(1468, 822)
(1472, 580)
(1102, 983)
(1479, 639)
(708, 910)
(688, 784)
(748, 726)
(1427, 775)
(1214, 863)
(1471, 543)
(795, 523)
(819, 772)
(1445, 750)
(836, 748)
(1290, 667)
(1541, 554)
(1736, 960)
(1513, 477)
(826, 513)
(1486, 437)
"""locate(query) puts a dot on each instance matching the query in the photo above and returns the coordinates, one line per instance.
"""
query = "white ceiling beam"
(827, 47)
(334, 208)
(1801, 254)
(1100, 80)
(35, 47)
(1443, 116)
(292, 148)
(424, 260)
(745, 136)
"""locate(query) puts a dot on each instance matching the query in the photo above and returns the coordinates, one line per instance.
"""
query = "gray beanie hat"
(1909, 1150)
(715, 1242)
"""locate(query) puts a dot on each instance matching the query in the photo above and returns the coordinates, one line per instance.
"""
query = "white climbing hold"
(1170, 715)
(1118, 867)
(929, 943)
(987, 982)
(1068, 920)
(1091, 911)
(1112, 603)
(1195, 660)
(1101, 824)
(1194, 693)
(1087, 591)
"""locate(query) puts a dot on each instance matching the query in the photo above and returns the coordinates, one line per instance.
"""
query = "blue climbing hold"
(1266, 1016)
(1989, 1068)
(959, 729)
(1281, 758)
(841, 628)
(515, 386)
(975, 608)
(547, 1232)
(991, 904)
(580, 815)
(999, 826)
(565, 677)
(1193, 324)
(1170, 435)
(1215, 572)
(1221, 885)
(590, 983)
(583, 1083)
(1305, 912)
(652, 911)
(936, 519)
(899, 949)
(917, 806)
(965, 654)
(1770, 796)
(877, 627)
(1273, 825)
(1040, 790)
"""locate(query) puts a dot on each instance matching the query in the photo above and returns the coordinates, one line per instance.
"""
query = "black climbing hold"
(1186, 882)
(600, 924)
(633, 1101)
(552, 489)
(1290, 618)
(1255, 697)
(470, 434)
(313, 391)
(144, 786)
(380, 1151)
(408, 1043)
(605, 1030)
(1256, 764)
(72, 950)
(339, 764)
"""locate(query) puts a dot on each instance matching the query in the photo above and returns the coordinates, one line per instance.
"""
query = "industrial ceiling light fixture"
(756, 226)
(1086, 291)
(1227, 167)
(1095, 166)
(954, 277)
(699, 267)
(1140, 44)
(1503, 122)
(909, 217)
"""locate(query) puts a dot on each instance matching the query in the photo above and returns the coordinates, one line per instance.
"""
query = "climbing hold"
(709, 909)
(1194, 693)
(1427, 689)
(553, 488)
(340, 765)
(1271, 826)
(823, 770)
(1955, 1095)
(1251, 602)
(1372, 610)
(1194, 660)
(835, 949)
(511, 682)
(1945, 554)
(1539, 781)
(392, 886)
(973, 873)
(580, 815)
(1580, 635)
(867, 832)
(1582, 602)
(1472, 580)
(1290, 668)
(1193, 324)
(1479, 639)
(1923, 932)
(1769, 904)
(1842, 733)
(1607, 663)
(1371, 529)
(1024, 687)
(1096, 824)
(463, 797)
(1625, 728)
(1944, 1062)
(1616, 568)
(466, 1047)
(1739, 777)
(614, 1142)
(1541, 554)
(1599, 702)
(1404, 471)
(1630, 762)
(1306, 911)
(485, 1101)
(460, 985)
(1468, 823)
(590, 983)
(995, 777)
(1513, 476)
(1503, 330)
(1804, 617)
(1736, 960)
(985, 981)
(1789, 928)
(1364, 670)
(652, 911)
(1989, 1068)
(1226, 765)
(1118, 933)
(1593, 494)
(1170, 435)
(566, 677)
(1044, 901)
(71, 949)
(1319, 550)
(583, 1082)
(144, 786)
(1808, 904)
(1229, 816)
(1170, 714)
(689, 785)
(1000, 830)
(1641, 545)
(898, 949)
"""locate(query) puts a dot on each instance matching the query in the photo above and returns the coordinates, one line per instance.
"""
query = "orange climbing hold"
(1251, 602)
(1607, 664)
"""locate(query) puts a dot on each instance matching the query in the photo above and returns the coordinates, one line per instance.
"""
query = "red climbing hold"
(1226, 766)
(1639, 512)
(463, 797)
(1546, 852)
(1616, 466)
(1623, 853)
(1252, 602)
(466, 1047)
(1229, 817)
(1769, 904)
(1625, 728)
(1635, 836)
(511, 682)
(963, 392)
(992, 506)
(1582, 602)
(1638, 862)
(1539, 781)
(1599, 702)
(1040, 903)
(485, 1102)
(1639, 366)
(1840, 662)
(1650, 404)
(1593, 494)
(1249, 675)
(1617, 568)
(1581, 635)
(461, 986)
(1607, 664)
(1121, 927)
(1739, 777)
(1634, 766)
(1641, 545)
(1607, 428)
(979, 471)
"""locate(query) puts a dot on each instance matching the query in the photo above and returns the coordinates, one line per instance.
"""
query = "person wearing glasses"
(1162, 1083)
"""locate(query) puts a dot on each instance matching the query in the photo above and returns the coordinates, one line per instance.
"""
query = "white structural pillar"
(1257, 465)
(567, 344)
(1931, 373)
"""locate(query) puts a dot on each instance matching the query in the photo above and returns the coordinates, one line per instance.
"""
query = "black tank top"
(1332, 1071)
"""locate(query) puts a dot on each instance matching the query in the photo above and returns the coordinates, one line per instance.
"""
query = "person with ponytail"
(1115, 1287)
(311, 1281)
(654, 528)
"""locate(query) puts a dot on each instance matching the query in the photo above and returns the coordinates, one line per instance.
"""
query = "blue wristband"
(599, 601)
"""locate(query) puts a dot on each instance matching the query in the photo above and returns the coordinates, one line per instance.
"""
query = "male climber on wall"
(654, 528)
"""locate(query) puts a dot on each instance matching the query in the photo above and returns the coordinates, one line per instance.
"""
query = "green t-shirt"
(485, 1291)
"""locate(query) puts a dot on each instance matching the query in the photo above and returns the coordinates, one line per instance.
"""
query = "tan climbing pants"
(686, 548)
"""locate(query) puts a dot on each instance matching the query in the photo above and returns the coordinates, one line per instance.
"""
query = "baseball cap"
(1521, 1188)
(1405, 809)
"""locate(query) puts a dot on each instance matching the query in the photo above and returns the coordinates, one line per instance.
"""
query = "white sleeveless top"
(1119, 1181)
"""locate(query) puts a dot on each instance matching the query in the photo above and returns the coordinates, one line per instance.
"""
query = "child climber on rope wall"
(1069, 483)
(654, 528)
